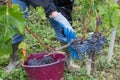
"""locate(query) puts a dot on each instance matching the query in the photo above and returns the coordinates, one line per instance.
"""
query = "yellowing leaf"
(22, 45)
(24, 52)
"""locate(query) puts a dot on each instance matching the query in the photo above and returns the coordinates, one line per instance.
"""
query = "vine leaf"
(101, 10)
(18, 19)
(12, 22)
(116, 18)
(22, 45)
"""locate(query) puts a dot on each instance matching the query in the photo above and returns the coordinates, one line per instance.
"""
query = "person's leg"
(16, 39)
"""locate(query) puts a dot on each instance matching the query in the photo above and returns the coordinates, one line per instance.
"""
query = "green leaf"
(101, 10)
(40, 11)
(115, 18)
(12, 21)
(1, 79)
(5, 47)
(18, 18)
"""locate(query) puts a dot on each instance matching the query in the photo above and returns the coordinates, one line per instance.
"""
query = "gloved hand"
(64, 31)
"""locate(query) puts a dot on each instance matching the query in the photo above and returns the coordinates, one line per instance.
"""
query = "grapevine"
(91, 45)
(96, 41)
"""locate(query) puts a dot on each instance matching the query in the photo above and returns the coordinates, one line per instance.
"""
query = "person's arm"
(46, 4)
(63, 29)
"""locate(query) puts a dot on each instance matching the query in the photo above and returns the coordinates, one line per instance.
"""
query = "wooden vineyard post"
(112, 40)
(88, 66)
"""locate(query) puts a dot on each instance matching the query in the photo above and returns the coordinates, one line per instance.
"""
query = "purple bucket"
(53, 71)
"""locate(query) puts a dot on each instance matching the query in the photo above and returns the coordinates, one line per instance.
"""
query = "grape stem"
(57, 49)
(86, 24)
(65, 46)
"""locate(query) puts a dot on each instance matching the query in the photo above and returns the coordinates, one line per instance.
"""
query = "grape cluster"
(43, 61)
(80, 47)
(99, 22)
(93, 44)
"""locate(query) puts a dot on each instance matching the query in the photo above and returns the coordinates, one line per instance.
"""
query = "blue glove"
(64, 31)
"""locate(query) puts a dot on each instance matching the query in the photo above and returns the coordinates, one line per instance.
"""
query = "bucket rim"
(46, 65)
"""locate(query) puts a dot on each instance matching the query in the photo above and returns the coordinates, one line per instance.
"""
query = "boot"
(14, 58)
(70, 64)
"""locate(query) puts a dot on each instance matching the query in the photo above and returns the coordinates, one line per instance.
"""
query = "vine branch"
(96, 20)
(39, 40)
